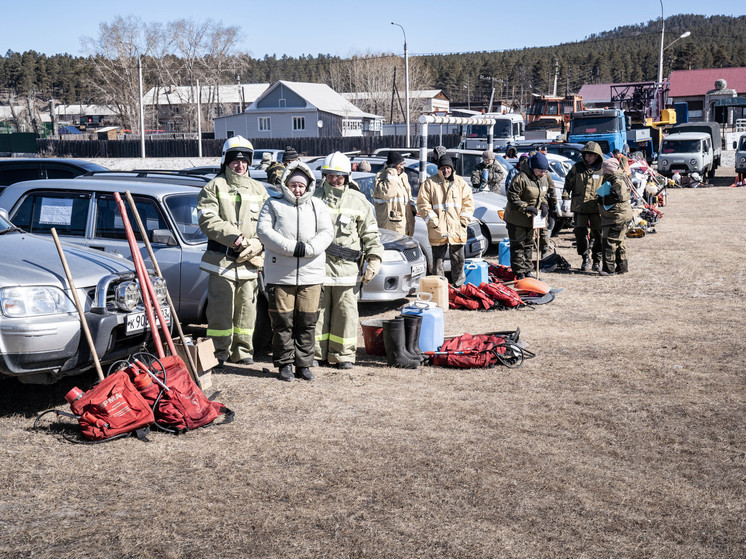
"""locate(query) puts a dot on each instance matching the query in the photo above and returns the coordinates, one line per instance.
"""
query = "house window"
(264, 124)
(229, 133)
(299, 123)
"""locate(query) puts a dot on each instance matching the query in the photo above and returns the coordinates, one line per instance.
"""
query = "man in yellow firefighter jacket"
(228, 211)
(356, 240)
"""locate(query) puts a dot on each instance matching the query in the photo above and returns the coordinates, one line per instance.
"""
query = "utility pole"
(142, 109)
(556, 74)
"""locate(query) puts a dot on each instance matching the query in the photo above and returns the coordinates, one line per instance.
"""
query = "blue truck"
(610, 129)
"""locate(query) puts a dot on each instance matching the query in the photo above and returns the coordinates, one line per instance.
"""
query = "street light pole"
(660, 57)
(406, 79)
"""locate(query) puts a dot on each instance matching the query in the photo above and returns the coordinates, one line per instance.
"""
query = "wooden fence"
(212, 148)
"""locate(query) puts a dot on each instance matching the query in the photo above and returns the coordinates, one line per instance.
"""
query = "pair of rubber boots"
(401, 339)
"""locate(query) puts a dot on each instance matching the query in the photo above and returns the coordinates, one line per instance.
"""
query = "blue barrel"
(503, 252)
(432, 332)
(476, 271)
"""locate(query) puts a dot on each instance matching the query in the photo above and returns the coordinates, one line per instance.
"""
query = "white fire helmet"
(336, 164)
(238, 144)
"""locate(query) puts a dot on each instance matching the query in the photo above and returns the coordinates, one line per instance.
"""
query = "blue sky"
(346, 28)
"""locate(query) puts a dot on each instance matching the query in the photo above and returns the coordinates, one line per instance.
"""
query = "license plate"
(418, 270)
(138, 321)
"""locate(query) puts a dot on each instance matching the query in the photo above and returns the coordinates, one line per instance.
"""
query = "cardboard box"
(203, 354)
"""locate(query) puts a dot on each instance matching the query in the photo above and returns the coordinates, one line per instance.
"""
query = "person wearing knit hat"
(616, 213)
(289, 155)
(489, 174)
(581, 184)
(392, 197)
(364, 166)
(527, 198)
(446, 203)
(277, 168)
(228, 208)
(266, 161)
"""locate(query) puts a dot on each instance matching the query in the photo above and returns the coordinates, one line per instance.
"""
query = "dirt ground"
(623, 437)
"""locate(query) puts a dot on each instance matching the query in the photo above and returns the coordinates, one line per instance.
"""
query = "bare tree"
(372, 76)
(116, 52)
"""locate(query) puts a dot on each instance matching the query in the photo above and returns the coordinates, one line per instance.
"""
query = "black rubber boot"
(412, 327)
(286, 373)
(394, 342)
(586, 263)
(304, 373)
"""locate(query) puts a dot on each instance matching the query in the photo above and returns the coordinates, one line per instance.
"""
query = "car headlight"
(664, 162)
(742, 160)
(161, 291)
(692, 162)
(393, 256)
(25, 302)
(128, 295)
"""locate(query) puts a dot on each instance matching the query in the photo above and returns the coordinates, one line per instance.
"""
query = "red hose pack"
(112, 407)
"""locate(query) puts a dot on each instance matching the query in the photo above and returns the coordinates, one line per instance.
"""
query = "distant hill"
(628, 53)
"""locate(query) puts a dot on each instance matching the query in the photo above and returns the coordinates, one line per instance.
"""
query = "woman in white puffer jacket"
(295, 229)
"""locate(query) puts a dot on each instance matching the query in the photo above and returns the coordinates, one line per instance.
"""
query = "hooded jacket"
(286, 220)
(229, 206)
(525, 190)
(495, 175)
(354, 227)
(391, 197)
(583, 180)
(447, 208)
(620, 210)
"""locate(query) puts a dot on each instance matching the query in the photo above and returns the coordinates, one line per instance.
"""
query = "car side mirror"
(4, 212)
(164, 237)
(735, 145)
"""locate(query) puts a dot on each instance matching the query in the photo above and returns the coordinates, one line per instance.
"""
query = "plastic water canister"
(476, 271)
(432, 332)
(437, 287)
(503, 249)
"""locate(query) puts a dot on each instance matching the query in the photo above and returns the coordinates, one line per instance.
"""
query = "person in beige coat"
(446, 203)
(392, 197)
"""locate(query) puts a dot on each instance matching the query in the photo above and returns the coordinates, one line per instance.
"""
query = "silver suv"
(40, 334)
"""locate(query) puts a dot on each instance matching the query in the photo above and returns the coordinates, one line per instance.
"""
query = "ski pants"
(336, 330)
(231, 315)
(293, 311)
(585, 224)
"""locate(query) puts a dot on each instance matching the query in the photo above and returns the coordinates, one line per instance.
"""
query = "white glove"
(565, 206)
(253, 248)
(372, 269)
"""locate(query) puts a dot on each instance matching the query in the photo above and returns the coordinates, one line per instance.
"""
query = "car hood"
(490, 199)
(31, 260)
(392, 240)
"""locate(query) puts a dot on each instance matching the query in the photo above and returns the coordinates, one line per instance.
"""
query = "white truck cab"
(740, 148)
(509, 128)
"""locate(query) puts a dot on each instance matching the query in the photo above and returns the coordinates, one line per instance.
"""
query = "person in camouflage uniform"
(488, 174)
(616, 213)
(276, 169)
(581, 185)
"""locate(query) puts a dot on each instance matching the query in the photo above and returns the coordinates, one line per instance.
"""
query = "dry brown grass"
(624, 437)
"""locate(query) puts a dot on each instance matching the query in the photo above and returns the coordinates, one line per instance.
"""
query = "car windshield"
(501, 130)
(594, 125)
(366, 185)
(680, 146)
(743, 144)
(183, 210)
(558, 168)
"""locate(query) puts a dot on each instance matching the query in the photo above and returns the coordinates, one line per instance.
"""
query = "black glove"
(608, 200)
(532, 210)
(544, 209)
(300, 250)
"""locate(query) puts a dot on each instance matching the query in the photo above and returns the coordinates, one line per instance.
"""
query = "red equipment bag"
(481, 351)
(473, 292)
(181, 405)
(503, 294)
(498, 272)
(112, 407)
(457, 301)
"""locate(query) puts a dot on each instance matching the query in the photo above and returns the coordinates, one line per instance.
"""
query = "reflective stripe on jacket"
(391, 197)
(447, 208)
(229, 206)
(354, 227)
